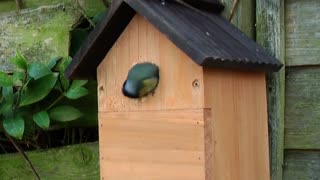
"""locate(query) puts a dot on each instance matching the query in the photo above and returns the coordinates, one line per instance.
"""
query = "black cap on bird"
(143, 78)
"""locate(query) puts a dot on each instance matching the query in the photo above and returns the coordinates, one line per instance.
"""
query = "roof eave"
(99, 41)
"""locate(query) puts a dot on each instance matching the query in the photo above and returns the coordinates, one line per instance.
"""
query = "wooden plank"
(302, 165)
(240, 127)
(141, 42)
(70, 162)
(152, 145)
(302, 32)
(243, 17)
(270, 34)
(302, 108)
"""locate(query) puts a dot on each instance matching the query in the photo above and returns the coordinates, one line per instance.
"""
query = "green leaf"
(5, 107)
(14, 126)
(78, 83)
(20, 61)
(65, 113)
(5, 80)
(38, 70)
(64, 82)
(75, 93)
(38, 89)
(42, 119)
(7, 93)
(52, 63)
(17, 78)
(98, 17)
(65, 64)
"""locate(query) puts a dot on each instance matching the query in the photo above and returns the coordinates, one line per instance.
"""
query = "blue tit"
(143, 78)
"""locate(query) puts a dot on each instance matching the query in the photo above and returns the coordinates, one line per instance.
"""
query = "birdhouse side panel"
(239, 131)
(152, 145)
(181, 79)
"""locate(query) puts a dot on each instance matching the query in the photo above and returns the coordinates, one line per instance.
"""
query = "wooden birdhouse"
(207, 118)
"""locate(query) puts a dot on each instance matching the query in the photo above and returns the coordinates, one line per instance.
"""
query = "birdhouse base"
(158, 144)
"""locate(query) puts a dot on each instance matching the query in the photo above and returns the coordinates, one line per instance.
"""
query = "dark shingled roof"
(206, 37)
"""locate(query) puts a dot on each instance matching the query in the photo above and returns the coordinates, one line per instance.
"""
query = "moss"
(91, 7)
(40, 34)
(70, 162)
(7, 5)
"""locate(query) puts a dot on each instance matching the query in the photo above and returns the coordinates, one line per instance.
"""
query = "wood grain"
(70, 162)
(270, 33)
(152, 145)
(302, 108)
(243, 17)
(301, 165)
(302, 32)
(141, 42)
(240, 131)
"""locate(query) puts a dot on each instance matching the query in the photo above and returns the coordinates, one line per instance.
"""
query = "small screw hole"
(101, 88)
(196, 83)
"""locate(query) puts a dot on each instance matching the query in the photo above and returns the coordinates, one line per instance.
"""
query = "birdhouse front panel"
(181, 79)
(159, 136)
(152, 144)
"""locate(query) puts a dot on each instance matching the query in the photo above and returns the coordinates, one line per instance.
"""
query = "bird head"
(142, 79)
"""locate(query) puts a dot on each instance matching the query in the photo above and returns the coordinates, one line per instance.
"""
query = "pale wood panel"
(152, 145)
(270, 33)
(302, 32)
(141, 42)
(240, 129)
(302, 108)
(301, 165)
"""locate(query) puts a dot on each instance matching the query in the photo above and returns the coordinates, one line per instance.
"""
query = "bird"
(142, 79)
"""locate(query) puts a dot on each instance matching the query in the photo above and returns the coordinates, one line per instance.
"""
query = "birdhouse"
(207, 116)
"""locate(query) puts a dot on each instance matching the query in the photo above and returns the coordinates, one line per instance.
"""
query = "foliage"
(29, 96)
(80, 33)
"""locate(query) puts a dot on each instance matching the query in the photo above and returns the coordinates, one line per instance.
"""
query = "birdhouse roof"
(194, 26)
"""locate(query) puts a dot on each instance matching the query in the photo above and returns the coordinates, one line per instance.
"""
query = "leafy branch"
(25, 93)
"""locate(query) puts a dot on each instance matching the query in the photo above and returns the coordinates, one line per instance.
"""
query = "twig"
(17, 104)
(106, 3)
(235, 3)
(25, 157)
(55, 102)
(19, 4)
(83, 12)
(3, 149)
